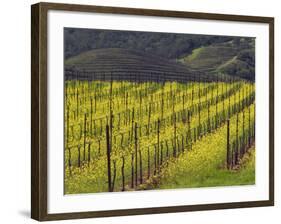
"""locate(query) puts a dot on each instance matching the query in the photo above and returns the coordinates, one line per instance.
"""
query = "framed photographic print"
(138, 111)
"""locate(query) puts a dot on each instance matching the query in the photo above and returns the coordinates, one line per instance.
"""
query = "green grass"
(195, 54)
(205, 165)
(245, 175)
(210, 57)
(224, 58)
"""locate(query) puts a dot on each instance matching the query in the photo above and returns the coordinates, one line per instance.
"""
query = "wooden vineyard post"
(99, 152)
(183, 103)
(108, 158)
(199, 119)
(80, 131)
(85, 134)
(226, 87)
(132, 170)
(79, 156)
(162, 102)
(140, 158)
(114, 176)
(175, 129)
(69, 161)
(154, 159)
(95, 101)
(236, 148)
(192, 94)
(91, 111)
(123, 173)
(167, 148)
(229, 106)
(126, 108)
(158, 143)
(148, 163)
(217, 102)
(67, 140)
(216, 117)
(239, 106)
(178, 145)
(212, 95)
(89, 154)
(148, 123)
(182, 145)
(101, 126)
(222, 94)
(133, 120)
(199, 107)
(66, 92)
(243, 134)
(67, 125)
(208, 116)
(235, 103)
(249, 129)
(189, 129)
(195, 134)
(161, 154)
(77, 103)
(254, 134)
(199, 90)
(206, 100)
(136, 154)
(140, 114)
(228, 146)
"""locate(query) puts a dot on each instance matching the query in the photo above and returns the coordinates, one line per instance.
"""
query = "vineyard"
(137, 135)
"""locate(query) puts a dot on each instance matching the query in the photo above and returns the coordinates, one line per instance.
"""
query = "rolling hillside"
(167, 45)
(235, 58)
(124, 64)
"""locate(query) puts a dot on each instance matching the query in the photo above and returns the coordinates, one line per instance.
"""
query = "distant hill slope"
(167, 45)
(235, 58)
(124, 64)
